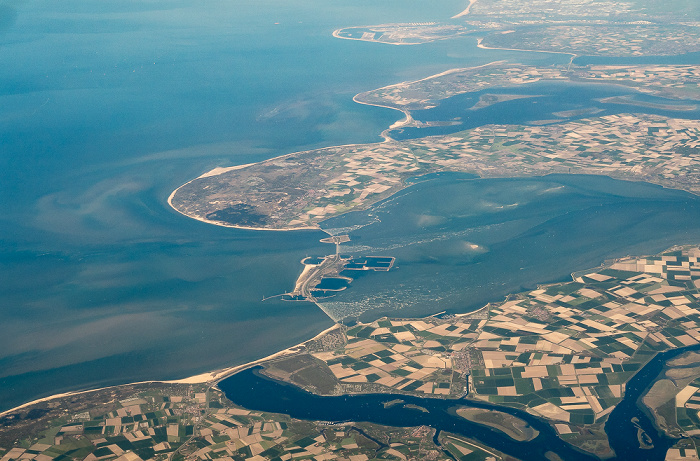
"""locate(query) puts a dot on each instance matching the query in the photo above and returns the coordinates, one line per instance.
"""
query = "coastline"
(479, 44)
(466, 11)
(407, 121)
(212, 376)
(429, 77)
(336, 34)
(223, 169)
(215, 172)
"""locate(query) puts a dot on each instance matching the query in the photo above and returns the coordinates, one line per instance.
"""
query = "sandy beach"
(408, 120)
(220, 170)
(479, 44)
(336, 34)
(466, 11)
(213, 376)
(215, 172)
(398, 124)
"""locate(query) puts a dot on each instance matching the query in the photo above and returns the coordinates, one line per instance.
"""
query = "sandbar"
(466, 11)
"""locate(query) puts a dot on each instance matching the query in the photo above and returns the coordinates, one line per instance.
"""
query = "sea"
(106, 107)
(494, 237)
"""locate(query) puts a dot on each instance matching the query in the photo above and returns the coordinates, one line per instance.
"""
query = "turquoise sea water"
(493, 237)
(548, 101)
(106, 107)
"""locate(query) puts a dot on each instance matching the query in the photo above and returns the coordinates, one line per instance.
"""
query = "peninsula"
(299, 190)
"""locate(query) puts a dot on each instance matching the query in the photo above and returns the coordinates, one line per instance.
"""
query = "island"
(299, 190)
(547, 373)
(402, 34)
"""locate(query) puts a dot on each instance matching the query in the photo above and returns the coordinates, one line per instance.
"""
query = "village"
(562, 352)
(193, 422)
(301, 190)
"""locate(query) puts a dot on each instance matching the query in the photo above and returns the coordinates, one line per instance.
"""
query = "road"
(330, 266)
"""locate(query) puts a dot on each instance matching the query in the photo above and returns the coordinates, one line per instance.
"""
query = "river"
(254, 391)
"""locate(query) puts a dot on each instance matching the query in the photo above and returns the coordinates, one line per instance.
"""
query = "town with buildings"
(591, 28)
(582, 27)
(681, 82)
(401, 34)
(601, 40)
(196, 423)
(300, 190)
(554, 9)
(563, 352)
